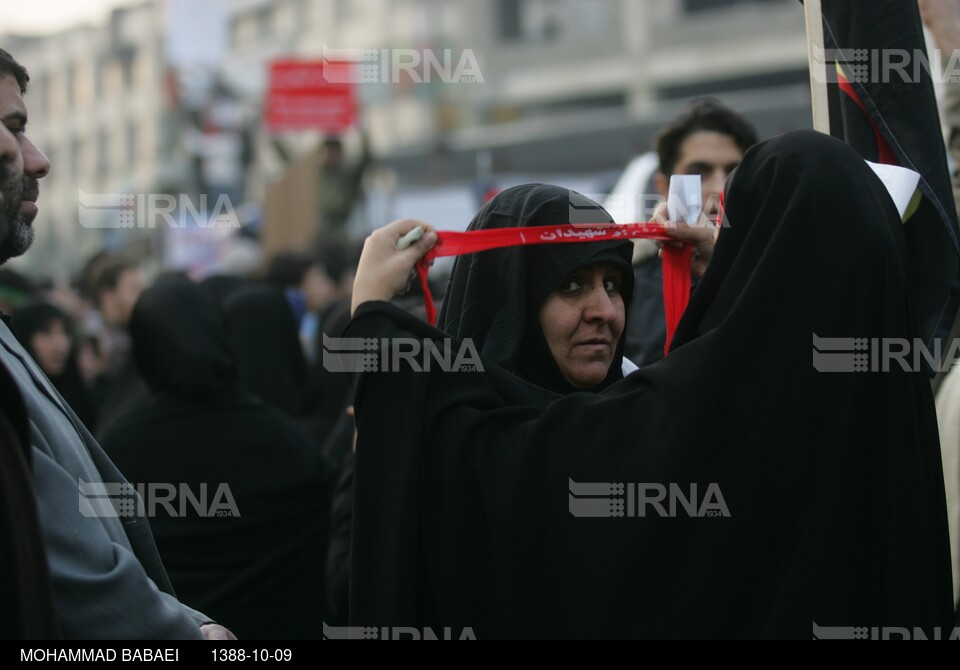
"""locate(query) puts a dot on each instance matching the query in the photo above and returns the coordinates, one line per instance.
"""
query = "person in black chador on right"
(814, 499)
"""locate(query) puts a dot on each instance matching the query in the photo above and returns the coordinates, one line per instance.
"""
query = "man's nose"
(35, 163)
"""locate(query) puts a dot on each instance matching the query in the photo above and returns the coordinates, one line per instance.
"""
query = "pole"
(813, 13)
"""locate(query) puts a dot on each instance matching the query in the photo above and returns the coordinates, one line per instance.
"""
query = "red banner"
(310, 95)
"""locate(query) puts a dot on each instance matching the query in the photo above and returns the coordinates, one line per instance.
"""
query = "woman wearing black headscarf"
(497, 299)
(259, 569)
(827, 506)
(591, 284)
(45, 331)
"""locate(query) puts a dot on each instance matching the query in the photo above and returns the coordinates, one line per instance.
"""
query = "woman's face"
(51, 347)
(582, 322)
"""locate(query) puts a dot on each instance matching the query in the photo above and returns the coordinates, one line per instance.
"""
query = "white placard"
(685, 202)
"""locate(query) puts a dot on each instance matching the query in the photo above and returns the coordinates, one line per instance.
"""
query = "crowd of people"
(259, 494)
(214, 388)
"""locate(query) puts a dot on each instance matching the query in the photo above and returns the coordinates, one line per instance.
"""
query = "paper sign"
(685, 202)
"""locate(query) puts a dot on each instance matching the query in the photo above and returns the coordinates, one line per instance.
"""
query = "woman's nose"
(599, 306)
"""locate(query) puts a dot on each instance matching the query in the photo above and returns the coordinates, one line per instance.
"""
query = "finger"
(426, 243)
(430, 239)
(402, 227)
(672, 229)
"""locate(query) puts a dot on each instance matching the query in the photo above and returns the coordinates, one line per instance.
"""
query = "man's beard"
(16, 234)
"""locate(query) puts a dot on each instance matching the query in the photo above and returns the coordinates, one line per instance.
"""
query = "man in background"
(706, 139)
(116, 288)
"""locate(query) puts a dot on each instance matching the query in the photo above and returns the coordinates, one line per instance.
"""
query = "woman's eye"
(570, 286)
(612, 285)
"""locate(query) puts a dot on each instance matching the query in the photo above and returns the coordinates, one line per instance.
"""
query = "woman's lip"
(595, 346)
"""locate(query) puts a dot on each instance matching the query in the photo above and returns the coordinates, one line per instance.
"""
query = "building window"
(508, 14)
(693, 6)
(98, 80)
(342, 11)
(131, 143)
(69, 81)
(127, 68)
(76, 161)
(265, 28)
(548, 21)
(103, 155)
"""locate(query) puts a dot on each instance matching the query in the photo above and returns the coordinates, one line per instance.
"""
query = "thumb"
(426, 243)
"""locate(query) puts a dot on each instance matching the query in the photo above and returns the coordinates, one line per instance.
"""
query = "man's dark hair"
(705, 114)
(9, 66)
(109, 277)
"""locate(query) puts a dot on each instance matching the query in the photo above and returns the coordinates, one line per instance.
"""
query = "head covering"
(179, 342)
(833, 508)
(37, 317)
(494, 298)
(264, 336)
(200, 430)
(327, 394)
(34, 318)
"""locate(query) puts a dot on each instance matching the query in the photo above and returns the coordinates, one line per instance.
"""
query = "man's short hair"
(703, 115)
(9, 66)
(109, 277)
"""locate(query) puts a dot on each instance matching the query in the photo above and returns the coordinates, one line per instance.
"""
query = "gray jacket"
(109, 582)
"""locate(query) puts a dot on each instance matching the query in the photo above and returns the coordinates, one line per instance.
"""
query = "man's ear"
(662, 182)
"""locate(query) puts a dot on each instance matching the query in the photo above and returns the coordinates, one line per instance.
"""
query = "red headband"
(676, 262)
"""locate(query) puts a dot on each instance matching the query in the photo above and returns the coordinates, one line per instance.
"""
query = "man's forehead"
(710, 144)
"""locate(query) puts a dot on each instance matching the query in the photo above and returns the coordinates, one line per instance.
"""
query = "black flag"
(882, 103)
